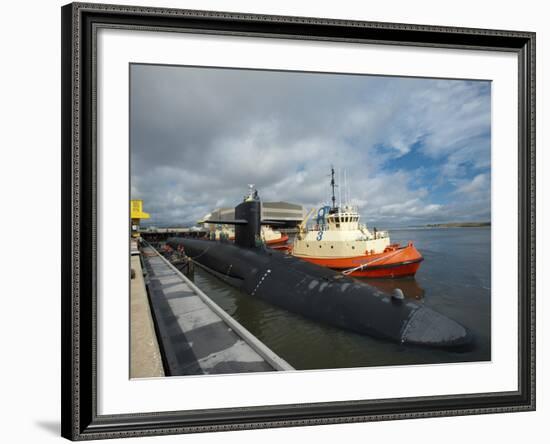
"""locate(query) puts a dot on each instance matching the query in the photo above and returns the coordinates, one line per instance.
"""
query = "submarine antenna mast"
(332, 184)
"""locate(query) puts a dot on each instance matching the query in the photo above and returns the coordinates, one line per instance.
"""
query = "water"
(454, 279)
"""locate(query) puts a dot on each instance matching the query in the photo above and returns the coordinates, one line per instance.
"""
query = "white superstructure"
(338, 234)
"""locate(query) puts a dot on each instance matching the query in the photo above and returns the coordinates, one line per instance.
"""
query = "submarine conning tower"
(248, 234)
(248, 221)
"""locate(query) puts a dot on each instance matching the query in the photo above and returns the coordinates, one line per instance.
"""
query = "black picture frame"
(79, 170)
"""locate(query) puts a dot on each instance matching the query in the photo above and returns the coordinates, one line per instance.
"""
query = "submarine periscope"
(316, 292)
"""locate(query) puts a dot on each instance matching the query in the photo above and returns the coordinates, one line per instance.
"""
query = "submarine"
(316, 292)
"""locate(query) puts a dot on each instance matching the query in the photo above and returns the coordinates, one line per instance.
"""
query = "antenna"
(332, 184)
(339, 192)
(346, 187)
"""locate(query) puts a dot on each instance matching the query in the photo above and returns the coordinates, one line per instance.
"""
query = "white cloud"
(200, 135)
(479, 184)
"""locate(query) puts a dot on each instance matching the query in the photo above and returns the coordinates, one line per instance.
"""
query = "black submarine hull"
(324, 295)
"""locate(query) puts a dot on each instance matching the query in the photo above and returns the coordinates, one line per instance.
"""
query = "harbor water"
(454, 279)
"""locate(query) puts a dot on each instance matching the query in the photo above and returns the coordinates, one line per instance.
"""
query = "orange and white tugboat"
(274, 238)
(340, 242)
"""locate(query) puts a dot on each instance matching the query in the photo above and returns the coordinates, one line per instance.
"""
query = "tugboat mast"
(332, 184)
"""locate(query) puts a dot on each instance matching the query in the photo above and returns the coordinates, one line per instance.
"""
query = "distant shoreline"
(460, 225)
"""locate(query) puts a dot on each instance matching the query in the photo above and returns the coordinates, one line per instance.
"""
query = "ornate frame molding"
(80, 22)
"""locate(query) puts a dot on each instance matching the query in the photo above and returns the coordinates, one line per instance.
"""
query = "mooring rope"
(362, 266)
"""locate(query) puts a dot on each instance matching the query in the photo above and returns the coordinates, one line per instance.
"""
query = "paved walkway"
(196, 335)
(145, 358)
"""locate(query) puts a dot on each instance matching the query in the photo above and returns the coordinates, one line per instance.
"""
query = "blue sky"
(415, 151)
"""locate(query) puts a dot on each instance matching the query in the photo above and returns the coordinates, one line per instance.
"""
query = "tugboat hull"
(395, 262)
(279, 244)
(277, 241)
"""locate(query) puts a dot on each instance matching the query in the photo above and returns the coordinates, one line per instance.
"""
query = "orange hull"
(277, 244)
(280, 240)
(394, 262)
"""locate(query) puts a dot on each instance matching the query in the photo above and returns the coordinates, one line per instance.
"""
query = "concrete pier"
(145, 358)
(197, 336)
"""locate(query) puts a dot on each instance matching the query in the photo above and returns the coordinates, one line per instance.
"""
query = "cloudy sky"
(415, 151)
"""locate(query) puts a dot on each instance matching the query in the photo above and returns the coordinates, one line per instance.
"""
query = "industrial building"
(289, 214)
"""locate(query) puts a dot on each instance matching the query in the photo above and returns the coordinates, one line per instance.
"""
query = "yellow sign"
(136, 210)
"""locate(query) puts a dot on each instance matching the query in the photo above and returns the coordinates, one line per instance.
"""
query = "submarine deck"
(196, 336)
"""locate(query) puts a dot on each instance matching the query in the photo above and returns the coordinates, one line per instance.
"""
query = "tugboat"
(274, 238)
(338, 241)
